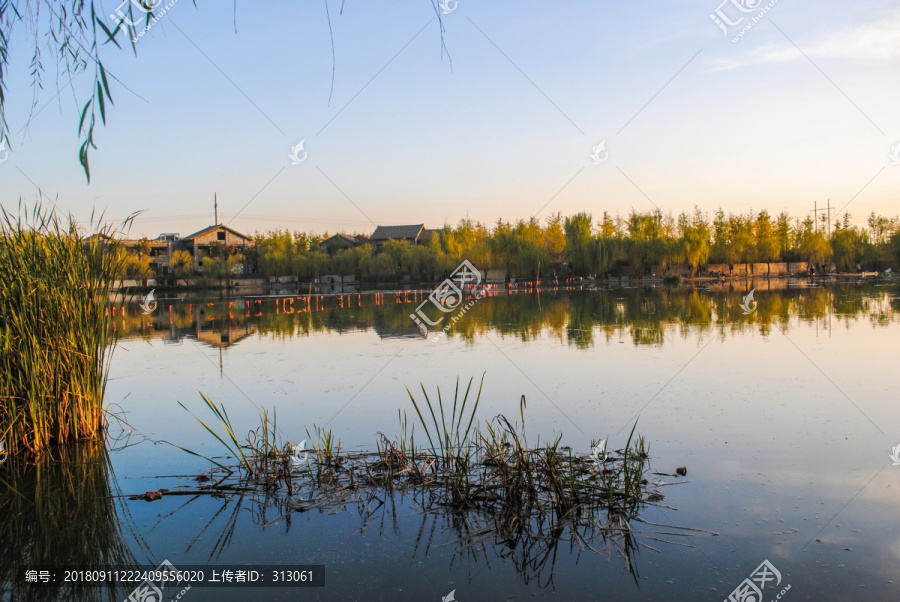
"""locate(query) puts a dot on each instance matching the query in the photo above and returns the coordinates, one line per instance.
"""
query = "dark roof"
(411, 232)
(342, 238)
(211, 228)
(429, 232)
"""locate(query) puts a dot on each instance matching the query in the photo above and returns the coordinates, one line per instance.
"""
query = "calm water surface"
(785, 419)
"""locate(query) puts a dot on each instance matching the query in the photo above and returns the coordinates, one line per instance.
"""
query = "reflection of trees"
(60, 511)
(647, 316)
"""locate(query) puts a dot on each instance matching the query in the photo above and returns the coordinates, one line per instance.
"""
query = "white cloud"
(876, 41)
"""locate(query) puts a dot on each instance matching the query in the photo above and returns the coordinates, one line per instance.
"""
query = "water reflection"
(581, 318)
(532, 533)
(60, 511)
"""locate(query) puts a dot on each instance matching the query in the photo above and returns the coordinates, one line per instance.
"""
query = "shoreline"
(501, 285)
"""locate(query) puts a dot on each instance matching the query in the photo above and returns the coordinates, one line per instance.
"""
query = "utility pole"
(816, 216)
(216, 206)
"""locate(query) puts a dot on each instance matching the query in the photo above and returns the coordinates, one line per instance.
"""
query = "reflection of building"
(219, 333)
(226, 336)
(397, 332)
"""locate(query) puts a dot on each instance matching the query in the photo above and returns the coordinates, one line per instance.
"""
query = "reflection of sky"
(766, 426)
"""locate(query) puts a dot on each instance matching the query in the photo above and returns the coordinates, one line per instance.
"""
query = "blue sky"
(801, 109)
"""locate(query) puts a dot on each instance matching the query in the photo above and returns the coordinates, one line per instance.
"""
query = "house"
(341, 241)
(416, 234)
(199, 245)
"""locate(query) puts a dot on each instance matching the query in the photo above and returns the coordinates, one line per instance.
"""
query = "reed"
(324, 446)
(56, 338)
(489, 485)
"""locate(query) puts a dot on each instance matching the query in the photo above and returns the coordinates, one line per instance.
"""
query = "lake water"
(785, 419)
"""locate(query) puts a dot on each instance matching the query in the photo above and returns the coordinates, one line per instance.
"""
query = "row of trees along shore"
(578, 245)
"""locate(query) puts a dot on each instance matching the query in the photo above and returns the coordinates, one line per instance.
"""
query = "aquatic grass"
(454, 450)
(229, 440)
(323, 445)
(489, 485)
(259, 456)
(56, 338)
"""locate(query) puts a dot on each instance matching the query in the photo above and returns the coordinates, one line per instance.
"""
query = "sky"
(532, 108)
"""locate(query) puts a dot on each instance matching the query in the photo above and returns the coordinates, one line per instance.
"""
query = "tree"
(502, 246)
(420, 262)
(319, 263)
(881, 228)
(362, 261)
(765, 231)
(893, 250)
(720, 236)
(277, 253)
(138, 267)
(848, 246)
(396, 251)
(215, 268)
(783, 233)
(234, 266)
(609, 227)
(646, 234)
(694, 240)
(182, 264)
(76, 31)
(578, 237)
(554, 238)
(740, 247)
(812, 245)
(530, 254)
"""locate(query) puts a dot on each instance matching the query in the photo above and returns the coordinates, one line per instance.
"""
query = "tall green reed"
(453, 441)
(55, 328)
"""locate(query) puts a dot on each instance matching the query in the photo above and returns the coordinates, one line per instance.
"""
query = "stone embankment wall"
(760, 269)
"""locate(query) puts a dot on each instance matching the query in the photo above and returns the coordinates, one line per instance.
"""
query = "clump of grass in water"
(454, 450)
(55, 329)
(261, 458)
(492, 485)
(324, 447)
